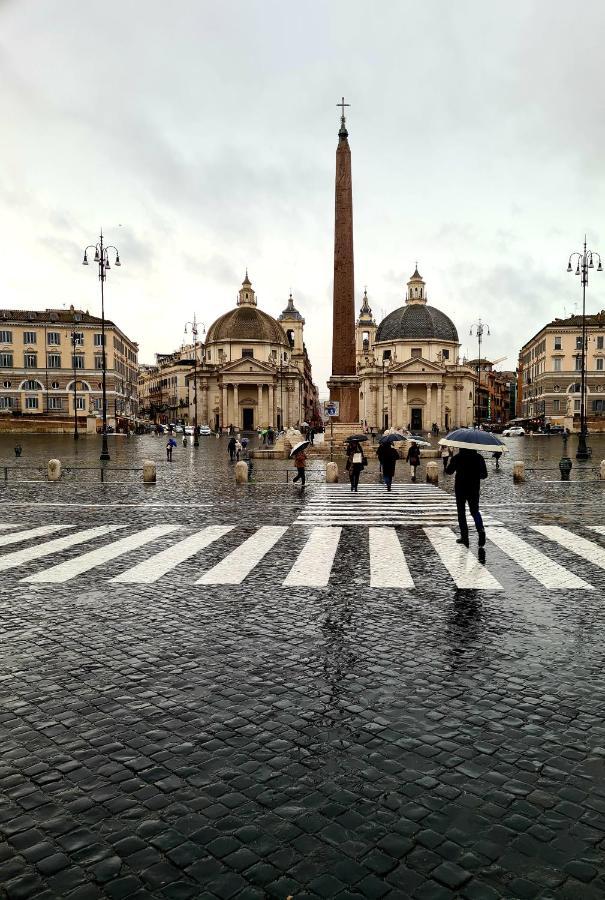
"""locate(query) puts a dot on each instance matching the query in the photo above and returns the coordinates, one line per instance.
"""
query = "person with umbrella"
(413, 457)
(297, 453)
(469, 468)
(388, 457)
(356, 459)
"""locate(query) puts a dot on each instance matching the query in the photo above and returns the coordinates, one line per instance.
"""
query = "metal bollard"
(331, 473)
(518, 471)
(149, 471)
(54, 469)
(241, 472)
(432, 473)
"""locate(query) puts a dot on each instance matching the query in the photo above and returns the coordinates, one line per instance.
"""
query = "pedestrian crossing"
(377, 557)
(405, 504)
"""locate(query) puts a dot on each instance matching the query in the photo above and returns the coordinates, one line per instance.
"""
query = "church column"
(224, 406)
(236, 405)
(259, 408)
(271, 406)
(205, 420)
(397, 406)
(404, 403)
(440, 417)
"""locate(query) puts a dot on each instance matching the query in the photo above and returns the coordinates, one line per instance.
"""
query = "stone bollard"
(331, 473)
(432, 473)
(149, 471)
(241, 472)
(518, 471)
(603, 469)
(54, 469)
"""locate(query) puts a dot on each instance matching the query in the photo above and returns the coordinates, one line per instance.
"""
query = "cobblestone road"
(309, 730)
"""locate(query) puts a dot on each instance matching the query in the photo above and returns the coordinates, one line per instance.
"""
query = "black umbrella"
(391, 438)
(357, 437)
(473, 439)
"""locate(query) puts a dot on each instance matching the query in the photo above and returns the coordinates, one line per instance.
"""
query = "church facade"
(409, 367)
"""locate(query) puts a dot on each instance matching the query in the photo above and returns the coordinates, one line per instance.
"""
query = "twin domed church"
(408, 366)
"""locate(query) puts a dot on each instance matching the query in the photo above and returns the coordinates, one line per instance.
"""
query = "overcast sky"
(201, 136)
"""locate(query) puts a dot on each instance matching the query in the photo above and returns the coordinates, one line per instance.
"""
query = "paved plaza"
(212, 691)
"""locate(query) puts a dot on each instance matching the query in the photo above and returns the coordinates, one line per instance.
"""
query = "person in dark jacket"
(470, 469)
(413, 458)
(231, 448)
(356, 460)
(388, 457)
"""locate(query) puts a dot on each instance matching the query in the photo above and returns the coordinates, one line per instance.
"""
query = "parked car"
(188, 429)
(205, 429)
(514, 431)
(557, 429)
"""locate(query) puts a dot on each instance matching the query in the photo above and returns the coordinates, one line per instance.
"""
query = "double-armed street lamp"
(480, 328)
(194, 331)
(102, 259)
(584, 262)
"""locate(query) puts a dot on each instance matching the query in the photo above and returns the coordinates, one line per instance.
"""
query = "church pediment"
(416, 366)
(246, 366)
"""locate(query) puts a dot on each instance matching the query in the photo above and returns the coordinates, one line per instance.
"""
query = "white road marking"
(30, 533)
(17, 557)
(462, 565)
(388, 567)
(240, 562)
(314, 563)
(600, 529)
(6, 525)
(67, 570)
(151, 569)
(545, 570)
(587, 550)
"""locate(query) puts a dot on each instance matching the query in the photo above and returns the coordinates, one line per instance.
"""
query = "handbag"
(357, 459)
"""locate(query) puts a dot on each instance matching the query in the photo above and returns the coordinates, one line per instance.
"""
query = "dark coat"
(413, 456)
(469, 468)
(388, 457)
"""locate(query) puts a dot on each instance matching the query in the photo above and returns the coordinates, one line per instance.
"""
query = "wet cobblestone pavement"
(172, 739)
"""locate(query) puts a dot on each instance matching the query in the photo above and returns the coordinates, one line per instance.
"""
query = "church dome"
(246, 322)
(417, 322)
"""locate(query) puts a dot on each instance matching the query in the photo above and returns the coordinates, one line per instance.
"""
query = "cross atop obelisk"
(343, 130)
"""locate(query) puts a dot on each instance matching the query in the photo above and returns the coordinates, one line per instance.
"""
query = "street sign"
(331, 407)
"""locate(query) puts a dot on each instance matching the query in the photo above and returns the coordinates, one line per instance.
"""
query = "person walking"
(388, 457)
(413, 458)
(231, 448)
(356, 460)
(470, 469)
(170, 445)
(497, 456)
(300, 461)
(238, 449)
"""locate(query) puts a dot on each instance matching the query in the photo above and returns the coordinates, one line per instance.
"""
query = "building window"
(576, 406)
(55, 385)
(98, 340)
(6, 402)
(556, 364)
(31, 403)
(29, 337)
(556, 388)
(80, 402)
(77, 361)
(578, 343)
(247, 353)
(77, 338)
(54, 361)
(6, 337)
(416, 352)
(31, 360)
(53, 338)
(99, 361)
(578, 363)
(558, 342)
(54, 403)
(32, 385)
(445, 354)
(556, 406)
(597, 406)
(7, 384)
(6, 360)
(97, 404)
(599, 342)
(600, 364)
(575, 388)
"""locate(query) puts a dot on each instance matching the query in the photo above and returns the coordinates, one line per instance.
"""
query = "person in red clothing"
(300, 461)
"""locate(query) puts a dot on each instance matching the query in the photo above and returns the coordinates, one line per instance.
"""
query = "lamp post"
(102, 260)
(73, 360)
(480, 329)
(584, 262)
(194, 332)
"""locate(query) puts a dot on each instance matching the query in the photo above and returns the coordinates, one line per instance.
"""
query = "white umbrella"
(298, 447)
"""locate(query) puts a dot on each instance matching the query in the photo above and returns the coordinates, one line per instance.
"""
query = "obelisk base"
(345, 389)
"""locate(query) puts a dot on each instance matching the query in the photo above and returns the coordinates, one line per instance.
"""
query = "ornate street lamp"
(584, 262)
(480, 329)
(194, 331)
(102, 260)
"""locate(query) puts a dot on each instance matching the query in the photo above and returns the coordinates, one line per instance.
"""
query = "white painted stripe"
(315, 561)
(151, 569)
(545, 570)
(587, 550)
(600, 529)
(240, 562)
(10, 560)
(28, 534)
(6, 525)
(388, 567)
(462, 565)
(67, 570)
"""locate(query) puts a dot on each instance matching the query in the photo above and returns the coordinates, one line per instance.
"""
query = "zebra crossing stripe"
(388, 568)
(151, 569)
(545, 570)
(18, 557)
(67, 570)
(240, 562)
(463, 566)
(4, 526)
(314, 563)
(587, 550)
(41, 531)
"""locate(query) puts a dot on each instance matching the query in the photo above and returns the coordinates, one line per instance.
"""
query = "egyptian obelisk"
(344, 383)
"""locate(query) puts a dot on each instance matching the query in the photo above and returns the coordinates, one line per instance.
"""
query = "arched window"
(421, 293)
(31, 385)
